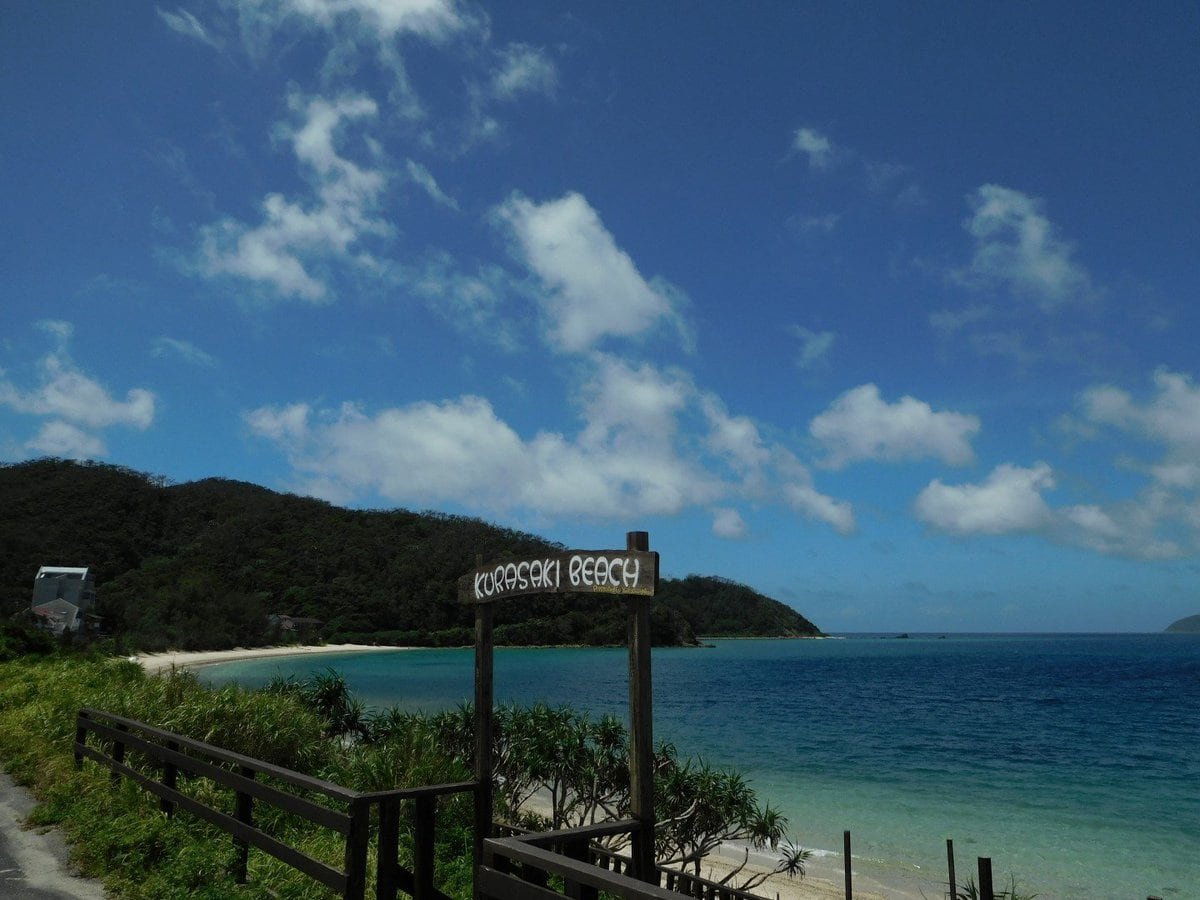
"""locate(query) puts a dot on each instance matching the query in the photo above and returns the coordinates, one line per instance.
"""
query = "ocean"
(1072, 761)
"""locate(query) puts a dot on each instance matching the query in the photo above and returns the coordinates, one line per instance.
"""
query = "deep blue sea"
(1072, 761)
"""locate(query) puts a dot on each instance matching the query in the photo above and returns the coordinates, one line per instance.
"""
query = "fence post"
(80, 740)
(118, 757)
(985, 879)
(483, 730)
(389, 848)
(950, 866)
(244, 813)
(356, 849)
(423, 848)
(849, 877)
(169, 779)
(578, 850)
(641, 728)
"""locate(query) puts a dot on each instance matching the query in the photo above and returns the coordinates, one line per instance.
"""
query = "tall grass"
(121, 835)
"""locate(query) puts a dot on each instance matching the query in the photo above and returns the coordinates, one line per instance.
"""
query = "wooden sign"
(631, 572)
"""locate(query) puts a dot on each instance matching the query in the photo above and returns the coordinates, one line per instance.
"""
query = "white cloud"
(859, 425)
(805, 499)
(287, 425)
(461, 452)
(183, 22)
(593, 289)
(58, 438)
(797, 490)
(1016, 246)
(729, 524)
(734, 439)
(384, 19)
(649, 444)
(185, 350)
(284, 250)
(424, 179)
(814, 346)
(73, 405)
(65, 393)
(59, 330)
(1171, 417)
(816, 146)
(523, 69)
(1162, 520)
(471, 301)
(803, 224)
(1008, 501)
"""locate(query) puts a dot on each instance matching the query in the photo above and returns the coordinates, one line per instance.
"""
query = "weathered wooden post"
(846, 857)
(950, 867)
(632, 573)
(641, 725)
(985, 879)
(244, 813)
(483, 726)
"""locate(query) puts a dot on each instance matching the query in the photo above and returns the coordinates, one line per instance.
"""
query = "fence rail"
(170, 754)
(579, 844)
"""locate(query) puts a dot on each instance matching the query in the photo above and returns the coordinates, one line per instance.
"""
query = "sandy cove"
(180, 659)
(825, 878)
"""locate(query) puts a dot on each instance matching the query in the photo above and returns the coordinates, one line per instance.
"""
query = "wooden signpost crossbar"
(631, 573)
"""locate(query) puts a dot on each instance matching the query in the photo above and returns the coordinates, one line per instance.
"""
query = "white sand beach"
(825, 878)
(186, 659)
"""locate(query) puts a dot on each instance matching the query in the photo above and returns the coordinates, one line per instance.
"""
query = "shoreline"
(825, 875)
(194, 659)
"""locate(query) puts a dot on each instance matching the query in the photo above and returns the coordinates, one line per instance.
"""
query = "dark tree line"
(201, 565)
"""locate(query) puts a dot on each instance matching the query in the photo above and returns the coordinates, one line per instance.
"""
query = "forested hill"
(201, 565)
(1188, 625)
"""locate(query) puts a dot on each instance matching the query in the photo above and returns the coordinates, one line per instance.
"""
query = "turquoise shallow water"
(1073, 761)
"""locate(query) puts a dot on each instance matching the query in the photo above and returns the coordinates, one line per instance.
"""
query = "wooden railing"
(169, 754)
(518, 867)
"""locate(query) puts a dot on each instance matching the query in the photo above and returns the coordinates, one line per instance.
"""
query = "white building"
(62, 595)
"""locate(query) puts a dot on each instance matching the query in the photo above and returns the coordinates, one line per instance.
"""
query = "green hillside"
(1188, 625)
(201, 565)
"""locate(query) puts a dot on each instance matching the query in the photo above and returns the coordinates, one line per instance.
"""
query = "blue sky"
(889, 312)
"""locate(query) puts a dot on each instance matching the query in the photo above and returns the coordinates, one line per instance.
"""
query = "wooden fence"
(168, 755)
(578, 845)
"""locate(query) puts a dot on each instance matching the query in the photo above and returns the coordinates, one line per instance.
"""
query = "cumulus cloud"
(729, 524)
(460, 451)
(73, 406)
(62, 439)
(470, 300)
(1008, 501)
(734, 439)
(523, 69)
(860, 425)
(383, 19)
(1162, 521)
(649, 443)
(816, 146)
(1170, 417)
(283, 252)
(807, 500)
(593, 290)
(67, 394)
(1017, 247)
(814, 347)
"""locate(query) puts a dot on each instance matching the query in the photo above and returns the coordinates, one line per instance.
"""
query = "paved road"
(33, 864)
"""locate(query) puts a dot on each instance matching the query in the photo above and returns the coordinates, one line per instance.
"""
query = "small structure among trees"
(63, 597)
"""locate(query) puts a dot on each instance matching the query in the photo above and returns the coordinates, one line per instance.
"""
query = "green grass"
(121, 836)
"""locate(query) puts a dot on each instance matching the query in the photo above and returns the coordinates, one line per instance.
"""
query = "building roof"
(61, 570)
